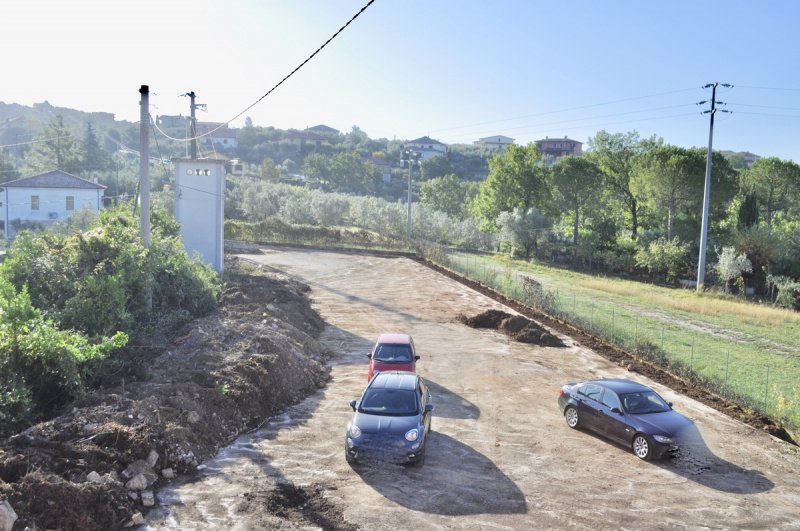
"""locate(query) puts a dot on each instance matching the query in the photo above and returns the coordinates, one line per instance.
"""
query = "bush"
(101, 281)
(667, 257)
(43, 367)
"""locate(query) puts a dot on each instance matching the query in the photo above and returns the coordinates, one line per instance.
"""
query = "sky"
(454, 70)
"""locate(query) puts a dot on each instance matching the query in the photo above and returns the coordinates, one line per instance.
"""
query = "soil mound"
(487, 319)
(517, 327)
(168, 407)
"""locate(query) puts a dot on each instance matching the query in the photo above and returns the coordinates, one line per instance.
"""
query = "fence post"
(691, 357)
(591, 320)
(766, 391)
(663, 354)
(636, 332)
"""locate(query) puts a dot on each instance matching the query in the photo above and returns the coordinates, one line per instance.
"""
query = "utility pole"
(144, 163)
(701, 265)
(410, 158)
(193, 121)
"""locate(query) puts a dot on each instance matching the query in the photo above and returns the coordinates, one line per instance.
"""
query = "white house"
(43, 199)
(427, 147)
(499, 142)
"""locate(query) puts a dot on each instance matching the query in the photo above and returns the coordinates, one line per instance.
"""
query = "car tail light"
(561, 392)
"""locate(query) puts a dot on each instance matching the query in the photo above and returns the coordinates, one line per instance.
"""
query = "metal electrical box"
(200, 208)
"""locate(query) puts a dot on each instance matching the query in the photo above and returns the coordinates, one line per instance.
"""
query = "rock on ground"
(232, 369)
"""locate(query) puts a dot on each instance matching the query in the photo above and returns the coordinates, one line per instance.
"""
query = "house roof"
(377, 161)
(425, 140)
(557, 139)
(53, 179)
(496, 138)
(322, 129)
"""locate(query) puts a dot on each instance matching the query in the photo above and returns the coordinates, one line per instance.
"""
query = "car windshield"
(393, 353)
(644, 402)
(394, 402)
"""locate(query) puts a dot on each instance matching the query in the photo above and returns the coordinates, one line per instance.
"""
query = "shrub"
(101, 281)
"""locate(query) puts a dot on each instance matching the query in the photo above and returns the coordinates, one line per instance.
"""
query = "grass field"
(746, 351)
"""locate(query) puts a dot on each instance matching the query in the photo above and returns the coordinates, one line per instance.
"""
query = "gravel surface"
(500, 455)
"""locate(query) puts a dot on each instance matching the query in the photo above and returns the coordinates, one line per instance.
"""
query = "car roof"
(620, 385)
(395, 339)
(395, 380)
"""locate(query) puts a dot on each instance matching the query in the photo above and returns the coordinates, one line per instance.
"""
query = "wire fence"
(756, 377)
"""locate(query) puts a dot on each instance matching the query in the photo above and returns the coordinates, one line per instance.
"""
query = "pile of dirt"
(517, 327)
(168, 408)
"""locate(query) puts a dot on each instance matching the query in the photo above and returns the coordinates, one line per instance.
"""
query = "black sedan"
(624, 411)
(392, 420)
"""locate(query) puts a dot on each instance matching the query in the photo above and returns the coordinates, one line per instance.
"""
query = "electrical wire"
(279, 83)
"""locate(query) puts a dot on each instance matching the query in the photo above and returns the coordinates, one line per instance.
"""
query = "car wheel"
(571, 414)
(642, 447)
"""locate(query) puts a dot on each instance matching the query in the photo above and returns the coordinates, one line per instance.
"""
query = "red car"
(392, 352)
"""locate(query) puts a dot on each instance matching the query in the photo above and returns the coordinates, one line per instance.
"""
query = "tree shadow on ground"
(455, 480)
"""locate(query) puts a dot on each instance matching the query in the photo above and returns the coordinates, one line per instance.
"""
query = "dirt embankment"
(167, 409)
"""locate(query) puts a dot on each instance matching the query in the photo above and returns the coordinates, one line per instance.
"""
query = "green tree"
(57, 149)
(448, 194)
(437, 166)
(668, 257)
(516, 180)
(348, 171)
(94, 157)
(615, 153)
(317, 166)
(523, 229)
(269, 171)
(576, 182)
(668, 178)
(775, 183)
(730, 265)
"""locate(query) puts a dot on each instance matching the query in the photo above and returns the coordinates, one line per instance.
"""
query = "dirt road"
(500, 455)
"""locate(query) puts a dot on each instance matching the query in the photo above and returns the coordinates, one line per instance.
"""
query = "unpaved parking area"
(500, 456)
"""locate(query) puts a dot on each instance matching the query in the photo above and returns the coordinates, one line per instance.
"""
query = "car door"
(588, 400)
(611, 419)
(424, 400)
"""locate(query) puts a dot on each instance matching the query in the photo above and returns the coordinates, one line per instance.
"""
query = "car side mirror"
(353, 404)
(369, 354)
(428, 408)
(416, 358)
(669, 404)
(616, 410)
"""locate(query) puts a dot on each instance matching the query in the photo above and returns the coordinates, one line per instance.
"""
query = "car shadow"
(448, 404)
(695, 461)
(455, 480)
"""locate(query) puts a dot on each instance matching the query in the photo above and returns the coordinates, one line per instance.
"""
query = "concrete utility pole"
(410, 158)
(701, 262)
(144, 163)
(192, 124)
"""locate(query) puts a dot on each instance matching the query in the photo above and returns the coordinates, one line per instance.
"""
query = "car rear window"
(393, 402)
(388, 353)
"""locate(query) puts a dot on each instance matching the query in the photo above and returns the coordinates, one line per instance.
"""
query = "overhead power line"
(279, 83)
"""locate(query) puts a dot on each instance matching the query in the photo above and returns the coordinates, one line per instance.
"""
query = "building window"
(34, 202)
(70, 202)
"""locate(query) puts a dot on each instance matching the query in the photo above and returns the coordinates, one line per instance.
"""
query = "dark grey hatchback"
(624, 411)
(392, 420)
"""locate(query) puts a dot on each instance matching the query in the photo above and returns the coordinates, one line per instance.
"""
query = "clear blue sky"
(455, 70)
